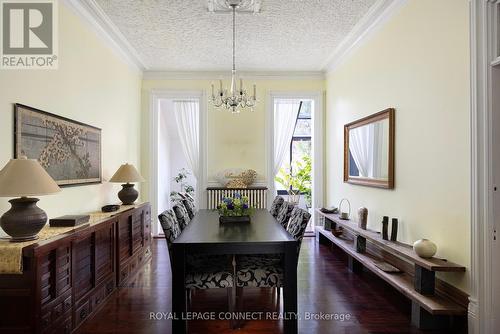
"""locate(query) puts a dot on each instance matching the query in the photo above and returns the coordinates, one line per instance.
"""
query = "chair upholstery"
(284, 213)
(203, 271)
(276, 205)
(170, 226)
(299, 219)
(182, 215)
(190, 207)
(266, 271)
(259, 272)
(209, 274)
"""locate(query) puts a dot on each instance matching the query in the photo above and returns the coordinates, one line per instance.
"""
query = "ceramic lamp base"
(128, 194)
(24, 219)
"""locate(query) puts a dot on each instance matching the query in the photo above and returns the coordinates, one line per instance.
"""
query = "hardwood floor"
(325, 285)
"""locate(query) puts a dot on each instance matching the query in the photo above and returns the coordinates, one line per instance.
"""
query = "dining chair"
(276, 205)
(190, 207)
(202, 272)
(284, 213)
(182, 215)
(267, 272)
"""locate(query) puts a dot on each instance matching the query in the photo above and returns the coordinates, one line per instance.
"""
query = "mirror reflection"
(369, 151)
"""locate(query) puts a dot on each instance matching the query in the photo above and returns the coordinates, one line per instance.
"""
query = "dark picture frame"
(70, 151)
(388, 114)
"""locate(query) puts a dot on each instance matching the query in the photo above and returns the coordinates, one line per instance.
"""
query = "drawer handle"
(83, 314)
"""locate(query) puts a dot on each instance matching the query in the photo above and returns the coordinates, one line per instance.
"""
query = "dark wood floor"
(324, 282)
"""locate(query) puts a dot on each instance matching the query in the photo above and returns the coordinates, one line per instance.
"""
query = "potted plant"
(234, 209)
(180, 179)
(298, 181)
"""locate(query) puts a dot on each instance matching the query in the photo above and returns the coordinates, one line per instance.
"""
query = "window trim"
(294, 139)
(317, 115)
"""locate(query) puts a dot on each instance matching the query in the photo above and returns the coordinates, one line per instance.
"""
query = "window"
(301, 144)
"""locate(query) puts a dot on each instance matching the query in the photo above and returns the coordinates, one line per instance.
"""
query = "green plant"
(297, 179)
(180, 179)
(235, 206)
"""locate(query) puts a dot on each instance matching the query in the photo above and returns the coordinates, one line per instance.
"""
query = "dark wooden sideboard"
(66, 279)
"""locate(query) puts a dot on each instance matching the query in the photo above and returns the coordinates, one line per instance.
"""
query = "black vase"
(24, 219)
(128, 194)
(385, 226)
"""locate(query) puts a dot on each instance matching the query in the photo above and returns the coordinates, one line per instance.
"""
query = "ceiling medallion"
(224, 6)
(236, 99)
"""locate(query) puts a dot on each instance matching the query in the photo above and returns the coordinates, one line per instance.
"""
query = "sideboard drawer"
(82, 312)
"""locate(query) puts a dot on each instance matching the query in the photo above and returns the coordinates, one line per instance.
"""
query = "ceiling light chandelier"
(235, 99)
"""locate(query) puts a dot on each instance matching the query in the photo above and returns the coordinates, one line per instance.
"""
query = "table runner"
(11, 253)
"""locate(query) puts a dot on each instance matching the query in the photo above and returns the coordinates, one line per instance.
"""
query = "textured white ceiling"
(287, 35)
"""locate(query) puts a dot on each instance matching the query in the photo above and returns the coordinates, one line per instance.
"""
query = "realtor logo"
(29, 34)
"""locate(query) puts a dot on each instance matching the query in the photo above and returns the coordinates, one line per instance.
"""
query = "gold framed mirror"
(369, 150)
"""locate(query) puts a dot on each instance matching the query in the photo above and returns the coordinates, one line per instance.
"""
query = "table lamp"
(21, 178)
(127, 173)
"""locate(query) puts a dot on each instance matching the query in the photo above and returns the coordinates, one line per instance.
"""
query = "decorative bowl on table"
(234, 209)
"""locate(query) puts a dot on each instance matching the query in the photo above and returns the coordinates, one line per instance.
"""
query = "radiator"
(257, 196)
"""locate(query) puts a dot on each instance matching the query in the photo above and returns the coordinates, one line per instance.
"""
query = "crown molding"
(376, 16)
(249, 75)
(96, 18)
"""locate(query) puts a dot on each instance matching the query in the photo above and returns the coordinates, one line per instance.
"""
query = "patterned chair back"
(297, 225)
(276, 205)
(284, 213)
(190, 207)
(170, 227)
(182, 215)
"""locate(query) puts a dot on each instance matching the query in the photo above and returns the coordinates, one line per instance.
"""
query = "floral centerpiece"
(234, 209)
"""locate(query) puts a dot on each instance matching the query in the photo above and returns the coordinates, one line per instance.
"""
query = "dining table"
(262, 235)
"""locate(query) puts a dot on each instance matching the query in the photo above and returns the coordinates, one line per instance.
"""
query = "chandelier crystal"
(235, 99)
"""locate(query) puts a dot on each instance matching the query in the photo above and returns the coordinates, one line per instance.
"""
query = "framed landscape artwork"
(69, 151)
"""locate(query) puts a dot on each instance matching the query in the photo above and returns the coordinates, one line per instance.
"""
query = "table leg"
(290, 289)
(178, 288)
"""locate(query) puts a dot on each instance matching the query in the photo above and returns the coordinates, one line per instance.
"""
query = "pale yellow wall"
(418, 63)
(91, 85)
(233, 140)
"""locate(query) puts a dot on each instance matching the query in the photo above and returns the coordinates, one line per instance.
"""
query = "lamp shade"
(127, 173)
(26, 177)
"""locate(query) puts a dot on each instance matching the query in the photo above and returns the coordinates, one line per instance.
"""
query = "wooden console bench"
(67, 278)
(435, 304)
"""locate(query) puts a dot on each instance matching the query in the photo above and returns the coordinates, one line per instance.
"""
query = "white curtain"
(285, 117)
(187, 115)
(361, 147)
(366, 144)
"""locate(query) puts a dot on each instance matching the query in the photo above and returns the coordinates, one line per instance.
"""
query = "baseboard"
(473, 317)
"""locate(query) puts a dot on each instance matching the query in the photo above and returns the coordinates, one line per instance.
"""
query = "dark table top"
(205, 228)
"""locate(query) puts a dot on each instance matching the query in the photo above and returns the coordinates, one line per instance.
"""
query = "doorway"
(295, 157)
(178, 151)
